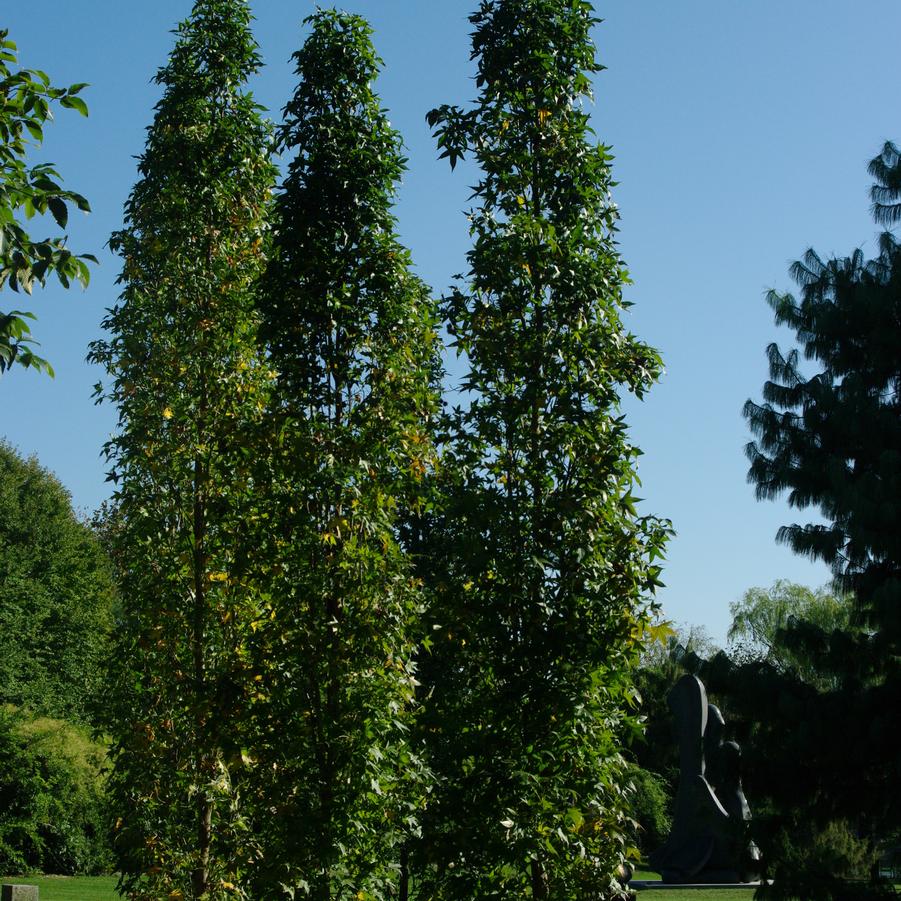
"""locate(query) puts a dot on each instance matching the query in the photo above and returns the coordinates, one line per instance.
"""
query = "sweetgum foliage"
(186, 377)
(543, 568)
(351, 334)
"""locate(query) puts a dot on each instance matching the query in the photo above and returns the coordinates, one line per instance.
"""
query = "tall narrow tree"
(186, 378)
(351, 333)
(545, 566)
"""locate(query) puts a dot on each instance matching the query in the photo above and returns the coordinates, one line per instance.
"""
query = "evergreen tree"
(543, 565)
(188, 383)
(831, 440)
(351, 333)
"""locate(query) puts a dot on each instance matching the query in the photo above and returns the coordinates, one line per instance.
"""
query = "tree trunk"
(539, 881)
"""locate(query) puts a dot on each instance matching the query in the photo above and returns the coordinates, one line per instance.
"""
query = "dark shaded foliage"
(832, 441)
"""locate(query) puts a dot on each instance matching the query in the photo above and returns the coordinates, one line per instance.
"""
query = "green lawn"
(688, 894)
(69, 888)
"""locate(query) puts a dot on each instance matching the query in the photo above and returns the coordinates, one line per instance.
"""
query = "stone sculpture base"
(18, 893)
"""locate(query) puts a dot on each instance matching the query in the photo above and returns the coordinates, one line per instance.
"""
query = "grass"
(688, 894)
(69, 888)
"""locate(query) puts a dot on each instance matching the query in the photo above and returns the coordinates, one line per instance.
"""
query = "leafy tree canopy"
(187, 378)
(762, 617)
(53, 807)
(352, 334)
(832, 440)
(543, 565)
(26, 98)
(57, 597)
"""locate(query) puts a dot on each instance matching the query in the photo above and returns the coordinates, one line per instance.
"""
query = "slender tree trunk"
(204, 806)
(539, 881)
(404, 888)
(204, 836)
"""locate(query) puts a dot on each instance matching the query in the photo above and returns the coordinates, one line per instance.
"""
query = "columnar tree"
(543, 564)
(350, 332)
(26, 99)
(186, 377)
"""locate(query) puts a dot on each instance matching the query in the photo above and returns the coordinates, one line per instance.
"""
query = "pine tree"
(543, 566)
(188, 382)
(831, 440)
(351, 333)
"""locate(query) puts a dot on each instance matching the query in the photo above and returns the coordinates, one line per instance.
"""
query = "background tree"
(351, 333)
(542, 565)
(26, 96)
(186, 377)
(762, 615)
(53, 803)
(832, 440)
(57, 597)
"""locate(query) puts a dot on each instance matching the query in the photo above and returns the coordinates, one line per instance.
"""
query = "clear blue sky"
(741, 133)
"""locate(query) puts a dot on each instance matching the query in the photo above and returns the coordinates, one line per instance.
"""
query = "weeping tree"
(186, 377)
(543, 568)
(350, 332)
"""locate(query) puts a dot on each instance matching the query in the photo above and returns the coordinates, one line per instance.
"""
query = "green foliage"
(52, 798)
(542, 566)
(56, 596)
(821, 714)
(833, 440)
(351, 333)
(26, 98)
(650, 803)
(189, 385)
(825, 864)
(761, 618)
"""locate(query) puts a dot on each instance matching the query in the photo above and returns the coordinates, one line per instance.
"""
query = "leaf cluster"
(26, 100)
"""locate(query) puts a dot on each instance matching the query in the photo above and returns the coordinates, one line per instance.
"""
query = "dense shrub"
(52, 805)
(651, 801)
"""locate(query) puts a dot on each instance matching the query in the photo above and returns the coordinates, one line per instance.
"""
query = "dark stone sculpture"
(707, 842)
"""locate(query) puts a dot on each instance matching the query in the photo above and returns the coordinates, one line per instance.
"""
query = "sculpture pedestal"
(18, 893)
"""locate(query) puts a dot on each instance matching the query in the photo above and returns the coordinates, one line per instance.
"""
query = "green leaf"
(59, 210)
(75, 103)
